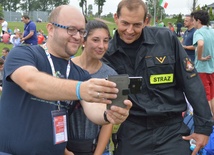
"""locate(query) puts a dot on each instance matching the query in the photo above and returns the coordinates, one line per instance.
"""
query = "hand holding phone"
(122, 82)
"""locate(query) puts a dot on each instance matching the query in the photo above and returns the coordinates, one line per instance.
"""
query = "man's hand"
(201, 141)
(22, 39)
(117, 115)
(205, 58)
(98, 90)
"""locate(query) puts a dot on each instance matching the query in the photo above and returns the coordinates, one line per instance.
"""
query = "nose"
(101, 44)
(130, 29)
(77, 35)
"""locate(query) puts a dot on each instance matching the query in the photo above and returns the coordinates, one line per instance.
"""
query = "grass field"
(20, 26)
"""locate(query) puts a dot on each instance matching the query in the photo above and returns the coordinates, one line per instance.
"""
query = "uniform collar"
(148, 38)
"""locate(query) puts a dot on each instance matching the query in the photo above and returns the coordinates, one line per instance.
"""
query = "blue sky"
(174, 7)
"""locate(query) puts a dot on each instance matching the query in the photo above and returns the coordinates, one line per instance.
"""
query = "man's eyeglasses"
(71, 30)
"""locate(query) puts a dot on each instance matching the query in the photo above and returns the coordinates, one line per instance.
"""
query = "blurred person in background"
(4, 25)
(16, 30)
(203, 40)
(5, 52)
(30, 33)
(187, 39)
(6, 37)
(178, 30)
(148, 19)
(16, 40)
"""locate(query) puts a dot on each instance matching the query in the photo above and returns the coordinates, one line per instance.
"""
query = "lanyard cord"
(54, 73)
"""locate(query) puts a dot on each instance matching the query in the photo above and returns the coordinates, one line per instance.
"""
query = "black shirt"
(163, 64)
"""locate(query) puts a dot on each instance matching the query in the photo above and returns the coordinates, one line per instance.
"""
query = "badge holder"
(59, 118)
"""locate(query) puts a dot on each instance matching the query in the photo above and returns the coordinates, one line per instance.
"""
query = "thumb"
(187, 137)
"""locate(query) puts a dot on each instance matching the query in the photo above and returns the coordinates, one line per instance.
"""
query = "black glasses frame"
(71, 30)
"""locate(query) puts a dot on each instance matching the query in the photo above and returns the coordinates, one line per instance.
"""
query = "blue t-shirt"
(25, 120)
(188, 40)
(206, 34)
(31, 26)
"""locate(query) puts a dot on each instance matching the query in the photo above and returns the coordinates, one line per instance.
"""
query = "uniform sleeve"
(188, 78)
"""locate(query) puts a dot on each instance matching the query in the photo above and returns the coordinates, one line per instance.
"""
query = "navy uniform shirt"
(167, 74)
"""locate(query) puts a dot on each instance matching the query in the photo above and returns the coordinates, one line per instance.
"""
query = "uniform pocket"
(160, 71)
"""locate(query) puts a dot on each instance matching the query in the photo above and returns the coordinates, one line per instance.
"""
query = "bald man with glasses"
(42, 86)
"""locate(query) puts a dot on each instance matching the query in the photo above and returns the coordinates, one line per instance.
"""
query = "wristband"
(105, 117)
(78, 90)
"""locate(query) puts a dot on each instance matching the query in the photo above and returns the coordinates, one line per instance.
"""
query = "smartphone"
(122, 82)
(135, 84)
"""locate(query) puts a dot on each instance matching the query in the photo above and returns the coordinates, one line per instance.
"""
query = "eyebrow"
(131, 23)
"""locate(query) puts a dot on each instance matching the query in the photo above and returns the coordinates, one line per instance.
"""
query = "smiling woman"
(85, 133)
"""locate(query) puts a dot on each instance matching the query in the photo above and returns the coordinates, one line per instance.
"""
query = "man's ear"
(115, 18)
(50, 29)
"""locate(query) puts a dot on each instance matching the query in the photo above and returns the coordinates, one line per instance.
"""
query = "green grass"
(166, 20)
(20, 26)
(109, 19)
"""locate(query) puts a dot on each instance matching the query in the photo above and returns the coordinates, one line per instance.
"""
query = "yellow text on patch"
(161, 78)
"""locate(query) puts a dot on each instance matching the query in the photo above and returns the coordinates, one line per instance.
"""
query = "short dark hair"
(1, 61)
(1, 18)
(131, 5)
(201, 15)
(25, 16)
(191, 18)
(95, 24)
(6, 49)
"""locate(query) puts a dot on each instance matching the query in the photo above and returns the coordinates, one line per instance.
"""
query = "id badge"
(59, 119)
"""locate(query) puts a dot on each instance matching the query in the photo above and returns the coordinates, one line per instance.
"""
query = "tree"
(110, 15)
(15, 5)
(211, 13)
(26, 5)
(198, 8)
(1, 11)
(40, 5)
(10, 5)
(90, 9)
(86, 9)
(4, 5)
(179, 19)
(160, 11)
(100, 4)
(83, 5)
(194, 4)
